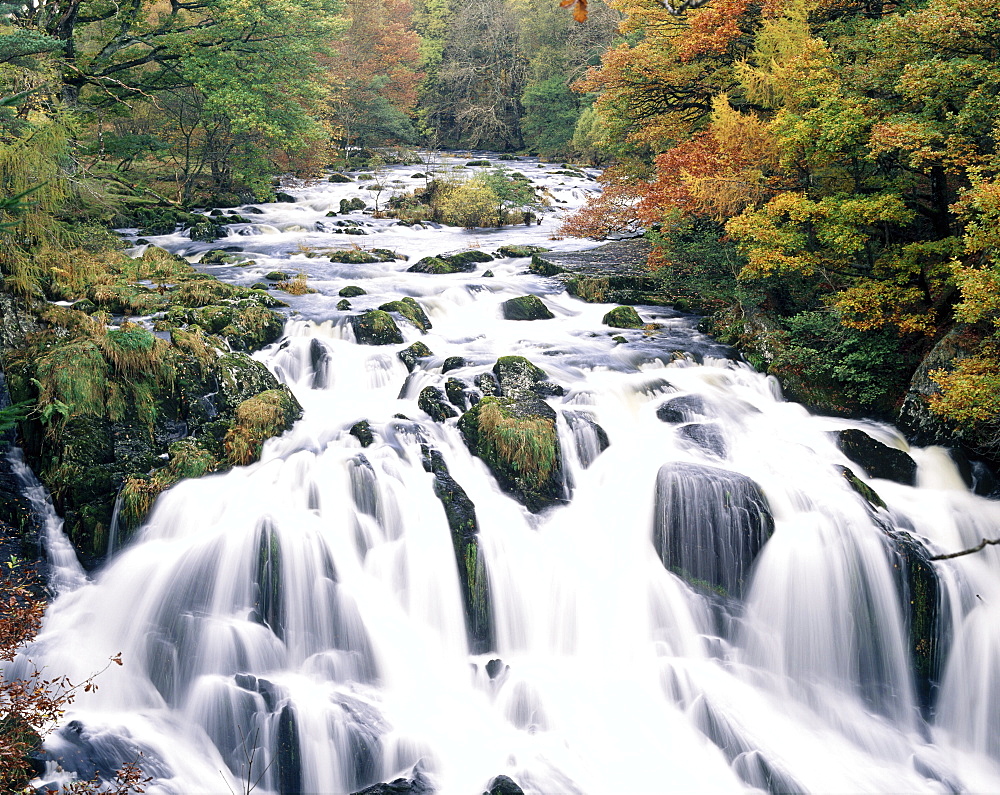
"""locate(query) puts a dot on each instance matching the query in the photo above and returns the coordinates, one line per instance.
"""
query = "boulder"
(376, 327)
(876, 459)
(503, 785)
(432, 400)
(411, 310)
(516, 252)
(518, 441)
(709, 525)
(525, 307)
(590, 438)
(413, 353)
(452, 363)
(516, 377)
(434, 265)
(362, 431)
(455, 390)
(705, 435)
(682, 408)
(622, 317)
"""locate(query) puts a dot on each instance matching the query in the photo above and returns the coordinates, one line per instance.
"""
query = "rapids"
(297, 625)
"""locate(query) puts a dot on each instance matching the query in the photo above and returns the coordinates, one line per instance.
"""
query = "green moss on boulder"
(525, 307)
(376, 327)
(411, 310)
(622, 317)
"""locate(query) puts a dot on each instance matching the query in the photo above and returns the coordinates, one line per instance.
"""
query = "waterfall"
(709, 606)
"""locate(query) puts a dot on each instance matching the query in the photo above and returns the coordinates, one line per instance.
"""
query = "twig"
(981, 545)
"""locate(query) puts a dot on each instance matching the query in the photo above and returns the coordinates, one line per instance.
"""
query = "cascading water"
(711, 608)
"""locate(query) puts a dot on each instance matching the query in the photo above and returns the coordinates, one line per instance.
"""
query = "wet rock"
(288, 754)
(411, 310)
(411, 355)
(339, 178)
(277, 276)
(206, 230)
(876, 459)
(502, 785)
(376, 327)
(867, 492)
(707, 436)
(465, 261)
(464, 526)
(591, 439)
(417, 784)
(434, 265)
(525, 307)
(709, 525)
(520, 251)
(319, 359)
(622, 317)
(516, 377)
(455, 389)
(488, 274)
(353, 256)
(452, 363)
(518, 442)
(495, 667)
(432, 400)
(487, 384)
(343, 304)
(362, 431)
(682, 408)
(285, 198)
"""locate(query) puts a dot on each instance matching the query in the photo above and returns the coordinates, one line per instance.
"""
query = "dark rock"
(253, 210)
(613, 273)
(488, 274)
(867, 492)
(285, 198)
(495, 667)
(518, 441)
(206, 230)
(288, 754)
(502, 785)
(432, 400)
(339, 178)
(590, 438)
(349, 205)
(548, 389)
(622, 317)
(353, 256)
(319, 358)
(362, 431)
(417, 784)
(707, 436)
(376, 327)
(411, 310)
(343, 304)
(461, 514)
(277, 276)
(525, 307)
(709, 525)
(465, 261)
(452, 363)
(413, 353)
(455, 389)
(682, 408)
(876, 459)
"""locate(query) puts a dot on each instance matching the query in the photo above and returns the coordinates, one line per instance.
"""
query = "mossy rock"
(517, 252)
(465, 261)
(472, 574)
(481, 163)
(259, 418)
(277, 276)
(413, 353)
(387, 255)
(362, 431)
(452, 363)
(432, 400)
(353, 256)
(525, 307)
(516, 376)
(251, 328)
(411, 310)
(218, 256)
(867, 492)
(455, 388)
(544, 267)
(352, 291)
(240, 377)
(433, 265)
(339, 178)
(284, 198)
(206, 231)
(349, 205)
(622, 317)
(376, 327)
(518, 442)
(343, 304)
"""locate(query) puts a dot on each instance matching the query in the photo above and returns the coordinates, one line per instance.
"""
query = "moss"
(622, 317)
(351, 291)
(412, 353)
(520, 251)
(343, 305)
(376, 327)
(520, 446)
(592, 289)
(525, 307)
(354, 256)
(434, 265)
(411, 310)
(257, 420)
(276, 276)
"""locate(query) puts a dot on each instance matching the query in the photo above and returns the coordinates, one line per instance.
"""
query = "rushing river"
(784, 670)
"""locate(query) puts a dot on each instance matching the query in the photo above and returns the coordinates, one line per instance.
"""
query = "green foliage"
(551, 112)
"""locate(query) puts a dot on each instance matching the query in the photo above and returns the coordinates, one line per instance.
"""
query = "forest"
(818, 180)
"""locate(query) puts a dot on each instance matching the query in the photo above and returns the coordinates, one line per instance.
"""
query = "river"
(297, 625)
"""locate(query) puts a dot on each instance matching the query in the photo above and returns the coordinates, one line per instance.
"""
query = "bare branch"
(981, 545)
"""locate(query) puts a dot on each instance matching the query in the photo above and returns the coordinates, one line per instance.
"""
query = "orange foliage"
(713, 29)
(614, 211)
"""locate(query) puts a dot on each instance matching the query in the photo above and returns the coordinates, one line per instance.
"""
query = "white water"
(317, 591)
